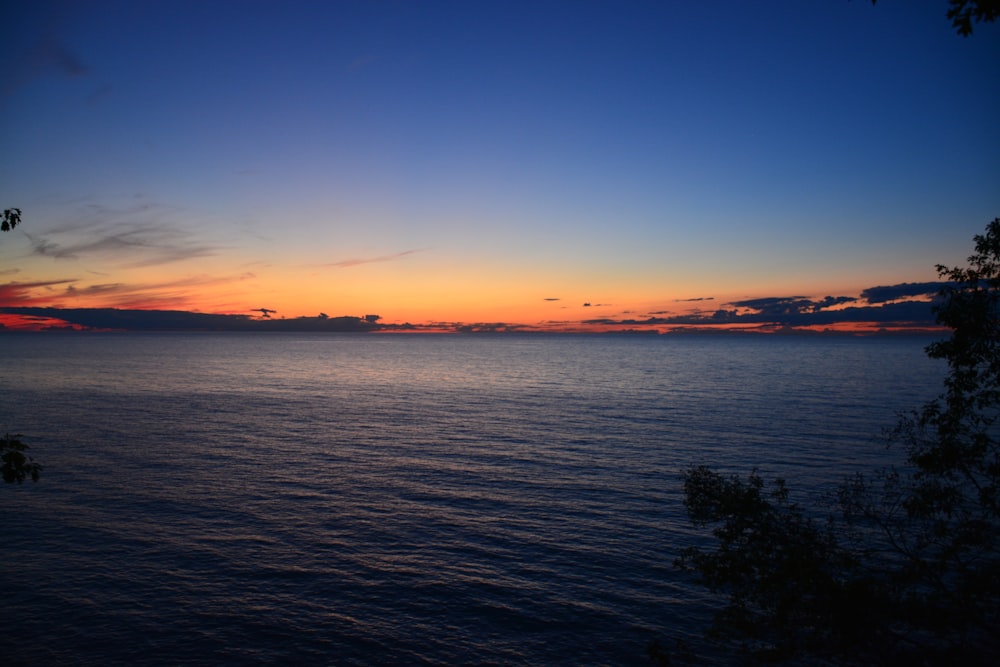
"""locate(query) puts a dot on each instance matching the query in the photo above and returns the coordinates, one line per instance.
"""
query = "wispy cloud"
(101, 93)
(130, 246)
(360, 63)
(62, 59)
(168, 294)
(31, 293)
(48, 57)
(138, 236)
(357, 261)
(68, 292)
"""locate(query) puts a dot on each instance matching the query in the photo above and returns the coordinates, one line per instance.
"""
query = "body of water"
(418, 500)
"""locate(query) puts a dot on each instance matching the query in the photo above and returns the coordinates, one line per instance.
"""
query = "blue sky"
(466, 161)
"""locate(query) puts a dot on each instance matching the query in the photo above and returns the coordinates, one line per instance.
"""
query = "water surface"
(438, 500)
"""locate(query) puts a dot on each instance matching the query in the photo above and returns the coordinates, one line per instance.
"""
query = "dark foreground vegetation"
(16, 464)
(903, 567)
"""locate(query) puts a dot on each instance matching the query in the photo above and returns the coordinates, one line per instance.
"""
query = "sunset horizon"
(543, 166)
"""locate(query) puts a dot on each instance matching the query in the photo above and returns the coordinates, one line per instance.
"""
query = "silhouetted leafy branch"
(964, 13)
(11, 218)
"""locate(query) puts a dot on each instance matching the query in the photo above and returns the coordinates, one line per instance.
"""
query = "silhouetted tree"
(941, 513)
(908, 565)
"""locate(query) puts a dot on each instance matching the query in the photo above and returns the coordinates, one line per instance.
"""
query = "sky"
(544, 165)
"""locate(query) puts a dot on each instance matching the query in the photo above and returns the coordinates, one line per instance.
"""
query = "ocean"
(510, 499)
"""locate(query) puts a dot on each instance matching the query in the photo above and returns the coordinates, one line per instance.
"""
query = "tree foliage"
(11, 218)
(964, 13)
(17, 465)
(907, 563)
(940, 512)
(780, 568)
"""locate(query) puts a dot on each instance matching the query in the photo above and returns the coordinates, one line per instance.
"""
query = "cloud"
(48, 57)
(698, 298)
(102, 92)
(884, 293)
(360, 63)
(801, 311)
(26, 293)
(775, 303)
(62, 293)
(791, 305)
(180, 320)
(138, 236)
(551, 298)
(130, 246)
(913, 313)
(831, 301)
(488, 327)
(356, 261)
